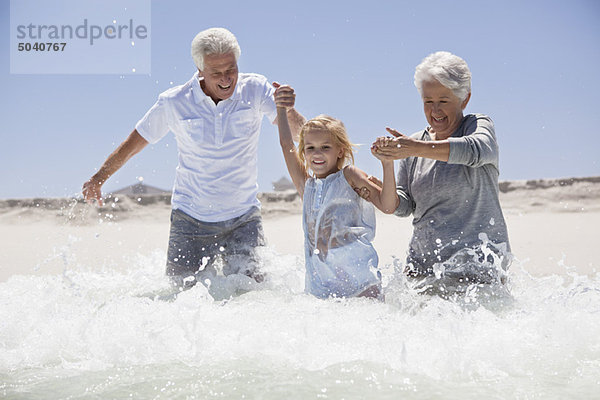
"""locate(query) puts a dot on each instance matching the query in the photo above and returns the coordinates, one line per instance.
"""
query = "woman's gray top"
(455, 204)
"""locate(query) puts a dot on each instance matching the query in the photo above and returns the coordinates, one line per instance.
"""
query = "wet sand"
(552, 224)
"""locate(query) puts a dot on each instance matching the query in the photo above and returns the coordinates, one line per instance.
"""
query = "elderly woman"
(448, 181)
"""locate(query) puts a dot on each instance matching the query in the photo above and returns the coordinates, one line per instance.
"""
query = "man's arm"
(92, 189)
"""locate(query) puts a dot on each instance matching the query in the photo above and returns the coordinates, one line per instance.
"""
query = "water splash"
(103, 331)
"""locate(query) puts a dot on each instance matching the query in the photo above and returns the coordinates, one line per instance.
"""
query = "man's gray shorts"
(198, 250)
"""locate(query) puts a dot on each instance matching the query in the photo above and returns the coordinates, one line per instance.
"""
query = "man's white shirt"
(216, 177)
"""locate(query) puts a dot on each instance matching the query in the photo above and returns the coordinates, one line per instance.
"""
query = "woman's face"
(443, 109)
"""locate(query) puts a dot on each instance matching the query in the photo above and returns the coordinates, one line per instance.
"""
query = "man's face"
(220, 75)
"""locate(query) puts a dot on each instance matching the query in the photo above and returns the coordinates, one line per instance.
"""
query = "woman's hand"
(399, 146)
(364, 191)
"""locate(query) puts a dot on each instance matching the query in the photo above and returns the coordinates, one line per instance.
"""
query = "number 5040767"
(48, 46)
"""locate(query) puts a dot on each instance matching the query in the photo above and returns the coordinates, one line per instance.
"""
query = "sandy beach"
(552, 224)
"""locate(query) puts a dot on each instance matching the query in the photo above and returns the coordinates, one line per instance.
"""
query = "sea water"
(117, 331)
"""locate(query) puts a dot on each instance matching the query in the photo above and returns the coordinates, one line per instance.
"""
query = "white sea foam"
(113, 331)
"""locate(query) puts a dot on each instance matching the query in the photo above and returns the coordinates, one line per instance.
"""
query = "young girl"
(338, 225)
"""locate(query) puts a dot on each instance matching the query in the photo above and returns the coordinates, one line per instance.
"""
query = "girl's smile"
(322, 152)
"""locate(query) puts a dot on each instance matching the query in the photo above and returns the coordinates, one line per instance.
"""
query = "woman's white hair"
(214, 41)
(446, 68)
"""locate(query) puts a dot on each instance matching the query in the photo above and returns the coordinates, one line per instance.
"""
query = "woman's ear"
(466, 101)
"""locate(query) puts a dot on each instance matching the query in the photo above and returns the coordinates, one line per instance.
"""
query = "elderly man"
(216, 118)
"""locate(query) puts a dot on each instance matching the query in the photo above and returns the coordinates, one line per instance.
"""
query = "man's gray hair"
(446, 68)
(214, 41)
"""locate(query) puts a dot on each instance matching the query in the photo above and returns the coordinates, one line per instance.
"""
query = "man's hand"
(132, 145)
(92, 190)
(284, 96)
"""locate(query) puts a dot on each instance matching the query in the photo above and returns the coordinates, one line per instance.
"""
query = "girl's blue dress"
(338, 229)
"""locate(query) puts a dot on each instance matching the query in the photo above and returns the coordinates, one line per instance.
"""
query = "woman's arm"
(476, 147)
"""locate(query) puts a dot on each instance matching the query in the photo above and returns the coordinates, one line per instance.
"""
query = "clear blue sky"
(534, 63)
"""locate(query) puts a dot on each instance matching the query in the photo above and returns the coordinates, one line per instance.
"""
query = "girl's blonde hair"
(337, 130)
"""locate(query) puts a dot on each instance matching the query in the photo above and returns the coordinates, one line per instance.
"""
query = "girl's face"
(321, 152)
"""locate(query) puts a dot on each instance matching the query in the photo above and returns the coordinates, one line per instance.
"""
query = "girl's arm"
(284, 96)
(388, 197)
(295, 168)
(384, 197)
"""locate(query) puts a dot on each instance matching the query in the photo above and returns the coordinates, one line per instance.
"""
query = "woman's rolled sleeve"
(478, 146)
(406, 204)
